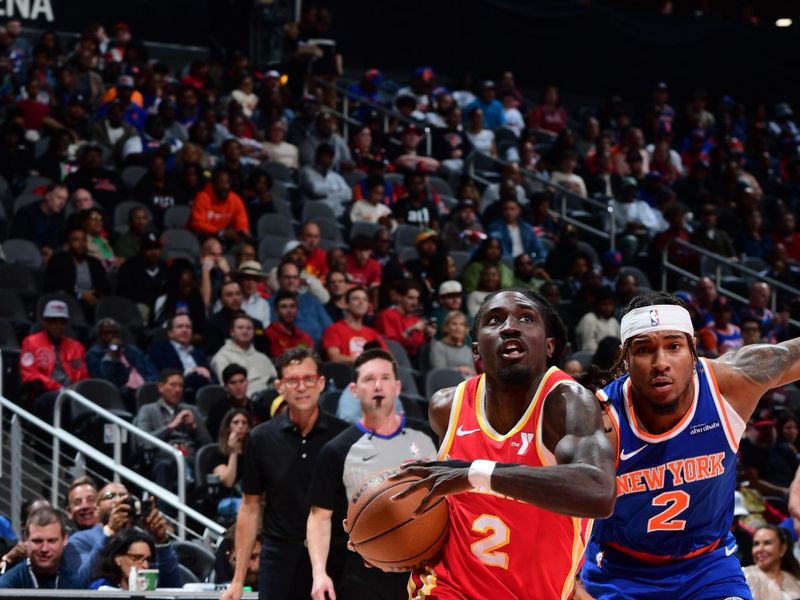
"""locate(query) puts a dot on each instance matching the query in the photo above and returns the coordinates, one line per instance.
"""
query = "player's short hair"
(553, 325)
(374, 354)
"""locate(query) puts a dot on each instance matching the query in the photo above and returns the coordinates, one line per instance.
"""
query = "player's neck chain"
(33, 576)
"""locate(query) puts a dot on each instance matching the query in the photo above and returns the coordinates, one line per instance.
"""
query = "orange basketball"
(385, 534)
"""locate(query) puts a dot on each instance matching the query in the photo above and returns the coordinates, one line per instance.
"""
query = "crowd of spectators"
(181, 231)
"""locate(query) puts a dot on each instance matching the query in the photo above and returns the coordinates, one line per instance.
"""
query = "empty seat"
(206, 396)
(23, 252)
(132, 175)
(440, 185)
(399, 353)
(461, 259)
(406, 236)
(271, 246)
(180, 243)
(12, 308)
(364, 229)
(122, 310)
(103, 393)
(19, 278)
(277, 171)
(177, 217)
(147, 393)
(583, 356)
(317, 208)
(407, 254)
(36, 183)
(25, 199)
(338, 374)
(353, 177)
(8, 337)
(437, 379)
(274, 224)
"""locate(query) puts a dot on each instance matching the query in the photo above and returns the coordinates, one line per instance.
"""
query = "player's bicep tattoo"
(763, 364)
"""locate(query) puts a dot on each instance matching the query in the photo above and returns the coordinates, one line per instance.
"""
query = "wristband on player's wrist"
(480, 473)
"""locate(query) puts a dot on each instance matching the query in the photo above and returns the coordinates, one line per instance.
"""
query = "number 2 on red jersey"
(486, 549)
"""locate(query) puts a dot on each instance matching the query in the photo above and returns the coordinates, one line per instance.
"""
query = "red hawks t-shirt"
(350, 341)
(366, 276)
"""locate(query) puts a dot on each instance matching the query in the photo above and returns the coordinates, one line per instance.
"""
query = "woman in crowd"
(97, 239)
(183, 296)
(788, 430)
(453, 351)
(130, 548)
(482, 139)
(489, 282)
(488, 253)
(226, 462)
(776, 572)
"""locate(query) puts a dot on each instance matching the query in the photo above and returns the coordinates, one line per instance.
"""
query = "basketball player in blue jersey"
(677, 420)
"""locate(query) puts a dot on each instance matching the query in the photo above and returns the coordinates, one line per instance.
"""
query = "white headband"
(661, 317)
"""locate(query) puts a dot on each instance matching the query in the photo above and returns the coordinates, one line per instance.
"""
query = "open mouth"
(512, 349)
(661, 383)
(378, 399)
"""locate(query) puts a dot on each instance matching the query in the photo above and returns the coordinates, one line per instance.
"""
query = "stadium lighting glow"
(783, 22)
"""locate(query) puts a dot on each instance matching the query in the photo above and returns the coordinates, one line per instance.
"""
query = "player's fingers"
(424, 503)
(408, 466)
(410, 489)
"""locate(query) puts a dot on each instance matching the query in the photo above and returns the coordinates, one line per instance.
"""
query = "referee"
(380, 440)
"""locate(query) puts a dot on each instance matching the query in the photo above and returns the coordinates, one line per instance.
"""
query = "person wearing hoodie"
(239, 349)
(217, 211)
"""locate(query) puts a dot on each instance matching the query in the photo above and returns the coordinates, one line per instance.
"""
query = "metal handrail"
(156, 490)
(387, 113)
(610, 235)
(180, 459)
(774, 284)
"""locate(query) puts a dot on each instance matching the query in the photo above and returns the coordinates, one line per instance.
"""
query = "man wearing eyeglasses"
(279, 459)
(115, 514)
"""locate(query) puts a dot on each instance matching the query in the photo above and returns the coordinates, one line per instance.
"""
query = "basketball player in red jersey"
(524, 463)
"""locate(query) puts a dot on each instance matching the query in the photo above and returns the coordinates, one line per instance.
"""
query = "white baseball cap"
(56, 309)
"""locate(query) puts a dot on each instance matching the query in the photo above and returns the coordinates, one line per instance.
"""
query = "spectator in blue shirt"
(516, 236)
(493, 114)
(48, 566)
(311, 314)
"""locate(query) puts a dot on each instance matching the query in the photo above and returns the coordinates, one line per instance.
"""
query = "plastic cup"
(148, 578)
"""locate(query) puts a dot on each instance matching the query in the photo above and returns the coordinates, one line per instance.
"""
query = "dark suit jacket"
(60, 275)
(164, 356)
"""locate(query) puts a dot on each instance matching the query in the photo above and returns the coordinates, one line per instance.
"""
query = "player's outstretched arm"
(582, 484)
(746, 374)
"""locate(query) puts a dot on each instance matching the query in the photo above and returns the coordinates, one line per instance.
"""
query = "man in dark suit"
(178, 353)
(75, 272)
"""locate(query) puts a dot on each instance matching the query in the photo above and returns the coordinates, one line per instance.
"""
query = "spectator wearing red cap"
(218, 211)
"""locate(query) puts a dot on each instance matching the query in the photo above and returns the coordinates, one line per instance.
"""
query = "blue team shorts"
(716, 575)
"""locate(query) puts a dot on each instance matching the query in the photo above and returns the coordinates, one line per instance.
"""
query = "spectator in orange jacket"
(218, 211)
(50, 361)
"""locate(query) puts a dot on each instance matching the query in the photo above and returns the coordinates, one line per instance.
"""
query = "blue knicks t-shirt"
(674, 490)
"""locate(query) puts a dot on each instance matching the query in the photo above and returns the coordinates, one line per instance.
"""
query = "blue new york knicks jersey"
(674, 490)
(669, 535)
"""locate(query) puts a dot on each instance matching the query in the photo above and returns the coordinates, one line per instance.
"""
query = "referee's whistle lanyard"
(33, 575)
